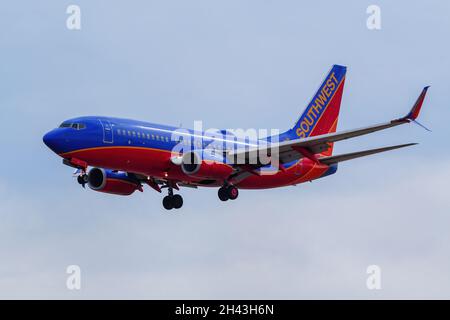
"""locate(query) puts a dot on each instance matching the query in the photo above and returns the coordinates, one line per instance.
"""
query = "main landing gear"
(228, 192)
(172, 201)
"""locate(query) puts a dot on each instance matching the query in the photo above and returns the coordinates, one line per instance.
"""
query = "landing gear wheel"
(177, 201)
(172, 202)
(222, 193)
(82, 179)
(168, 203)
(232, 192)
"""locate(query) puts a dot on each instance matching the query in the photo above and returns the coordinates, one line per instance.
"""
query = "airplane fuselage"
(147, 149)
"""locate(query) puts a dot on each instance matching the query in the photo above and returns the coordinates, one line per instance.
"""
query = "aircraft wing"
(307, 147)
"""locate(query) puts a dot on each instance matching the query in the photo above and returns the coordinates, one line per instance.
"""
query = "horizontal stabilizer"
(359, 154)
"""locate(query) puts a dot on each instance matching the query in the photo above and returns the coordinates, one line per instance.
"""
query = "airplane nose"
(48, 139)
(52, 140)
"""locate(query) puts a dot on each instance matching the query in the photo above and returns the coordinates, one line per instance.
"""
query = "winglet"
(414, 113)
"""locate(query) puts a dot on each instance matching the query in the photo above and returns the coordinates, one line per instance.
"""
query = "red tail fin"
(322, 113)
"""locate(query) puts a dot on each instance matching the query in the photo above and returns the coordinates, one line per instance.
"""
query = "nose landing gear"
(83, 179)
(228, 192)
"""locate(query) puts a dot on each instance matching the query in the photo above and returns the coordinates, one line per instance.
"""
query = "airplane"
(119, 156)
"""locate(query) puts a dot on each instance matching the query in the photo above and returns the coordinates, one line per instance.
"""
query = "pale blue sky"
(232, 64)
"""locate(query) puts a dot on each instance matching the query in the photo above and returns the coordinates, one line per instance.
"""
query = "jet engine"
(114, 182)
(204, 165)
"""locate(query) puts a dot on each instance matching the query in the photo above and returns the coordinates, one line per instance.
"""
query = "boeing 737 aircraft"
(119, 156)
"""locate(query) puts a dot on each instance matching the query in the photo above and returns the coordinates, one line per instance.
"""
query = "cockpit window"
(65, 125)
(76, 126)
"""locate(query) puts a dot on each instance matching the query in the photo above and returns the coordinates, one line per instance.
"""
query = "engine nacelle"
(113, 182)
(203, 165)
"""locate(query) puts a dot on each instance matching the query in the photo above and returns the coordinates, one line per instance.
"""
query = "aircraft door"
(107, 131)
